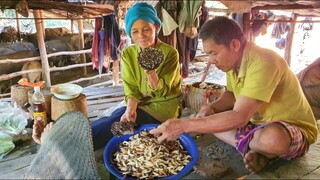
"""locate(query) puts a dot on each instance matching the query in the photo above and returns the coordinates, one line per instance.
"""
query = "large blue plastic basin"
(113, 146)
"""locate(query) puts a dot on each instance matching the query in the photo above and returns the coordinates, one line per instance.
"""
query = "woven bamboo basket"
(196, 96)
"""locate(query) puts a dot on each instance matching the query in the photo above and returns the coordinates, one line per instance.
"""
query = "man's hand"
(204, 111)
(169, 130)
(39, 130)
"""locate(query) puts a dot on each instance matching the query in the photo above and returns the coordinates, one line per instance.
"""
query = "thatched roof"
(94, 8)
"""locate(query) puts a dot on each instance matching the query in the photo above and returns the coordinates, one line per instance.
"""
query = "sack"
(310, 83)
(190, 31)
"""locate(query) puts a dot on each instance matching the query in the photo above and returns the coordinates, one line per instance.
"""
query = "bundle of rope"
(66, 151)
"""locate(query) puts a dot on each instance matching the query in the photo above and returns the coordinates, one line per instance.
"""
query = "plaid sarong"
(299, 145)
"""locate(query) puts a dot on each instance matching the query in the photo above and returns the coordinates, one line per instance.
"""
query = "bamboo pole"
(42, 25)
(42, 49)
(16, 74)
(12, 61)
(70, 67)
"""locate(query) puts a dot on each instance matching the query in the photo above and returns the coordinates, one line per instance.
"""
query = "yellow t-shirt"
(265, 76)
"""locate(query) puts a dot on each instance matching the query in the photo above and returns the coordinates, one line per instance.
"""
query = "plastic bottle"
(39, 108)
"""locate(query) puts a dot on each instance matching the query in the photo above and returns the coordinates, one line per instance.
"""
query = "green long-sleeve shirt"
(163, 102)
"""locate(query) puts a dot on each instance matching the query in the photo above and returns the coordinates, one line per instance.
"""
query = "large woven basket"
(195, 96)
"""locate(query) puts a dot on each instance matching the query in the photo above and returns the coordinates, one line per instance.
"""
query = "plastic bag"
(6, 144)
(109, 111)
(12, 121)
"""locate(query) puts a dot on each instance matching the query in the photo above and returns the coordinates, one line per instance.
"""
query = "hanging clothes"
(112, 35)
(95, 43)
(106, 40)
(189, 18)
(101, 51)
(279, 28)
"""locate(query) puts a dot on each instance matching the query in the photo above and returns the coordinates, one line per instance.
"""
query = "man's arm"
(239, 116)
(224, 103)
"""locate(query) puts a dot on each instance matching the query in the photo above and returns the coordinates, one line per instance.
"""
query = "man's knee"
(272, 139)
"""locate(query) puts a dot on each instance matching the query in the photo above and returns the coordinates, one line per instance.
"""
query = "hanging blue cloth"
(101, 52)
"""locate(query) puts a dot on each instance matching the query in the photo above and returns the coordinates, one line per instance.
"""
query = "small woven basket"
(195, 96)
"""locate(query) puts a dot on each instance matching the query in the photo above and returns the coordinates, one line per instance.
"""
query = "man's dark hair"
(222, 30)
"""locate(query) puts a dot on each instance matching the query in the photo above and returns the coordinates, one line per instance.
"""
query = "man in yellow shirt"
(263, 113)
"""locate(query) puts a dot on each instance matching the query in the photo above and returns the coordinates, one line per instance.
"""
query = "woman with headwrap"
(152, 93)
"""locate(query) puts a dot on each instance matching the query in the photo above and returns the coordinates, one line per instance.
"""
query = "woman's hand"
(204, 111)
(169, 130)
(131, 112)
(129, 115)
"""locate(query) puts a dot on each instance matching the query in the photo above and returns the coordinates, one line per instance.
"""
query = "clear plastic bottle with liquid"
(39, 108)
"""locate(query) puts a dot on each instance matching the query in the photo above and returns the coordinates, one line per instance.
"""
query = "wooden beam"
(81, 43)
(86, 10)
(287, 51)
(283, 7)
(40, 4)
(42, 49)
(246, 25)
(18, 25)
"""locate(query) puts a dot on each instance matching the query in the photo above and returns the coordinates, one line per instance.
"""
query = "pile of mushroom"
(143, 157)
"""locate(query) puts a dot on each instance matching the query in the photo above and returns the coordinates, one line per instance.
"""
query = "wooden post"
(42, 26)
(18, 26)
(287, 50)
(246, 25)
(72, 26)
(42, 49)
(81, 43)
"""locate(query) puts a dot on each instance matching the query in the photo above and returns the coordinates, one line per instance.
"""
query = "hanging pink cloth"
(95, 43)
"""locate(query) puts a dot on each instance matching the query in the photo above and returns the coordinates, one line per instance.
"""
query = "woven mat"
(66, 151)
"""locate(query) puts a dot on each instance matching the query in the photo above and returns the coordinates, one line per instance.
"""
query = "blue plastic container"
(113, 145)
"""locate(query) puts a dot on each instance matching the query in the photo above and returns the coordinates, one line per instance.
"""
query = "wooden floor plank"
(17, 174)
(22, 149)
(107, 100)
(105, 95)
(101, 106)
(94, 91)
(9, 167)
